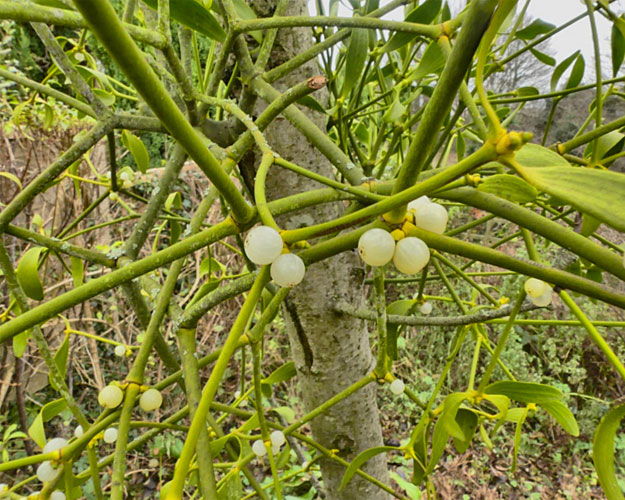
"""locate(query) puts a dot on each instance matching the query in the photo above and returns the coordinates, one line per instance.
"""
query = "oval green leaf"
(525, 392)
(28, 273)
(603, 452)
(559, 411)
(423, 14)
(355, 58)
(137, 149)
(194, 16)
(508, 187)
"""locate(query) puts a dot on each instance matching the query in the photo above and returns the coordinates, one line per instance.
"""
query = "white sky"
(577, 36)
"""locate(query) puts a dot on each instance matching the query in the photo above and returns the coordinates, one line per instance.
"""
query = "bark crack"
(301, 334)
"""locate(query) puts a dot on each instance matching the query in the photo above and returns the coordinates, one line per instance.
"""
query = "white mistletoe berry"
(545, 299)
(376, 247)
(397, 387)
(277, 438)
(110, 435)
(57, 495)
(425, 308)
(432, 217)
(55, 444)
(45, 472)
(535, 288)
(263, 245)
(78, 432)
(259, 448)
(151, 400)
(419, 203)
(111, 396)
(120, 350)
(288, 270)
(411, 255)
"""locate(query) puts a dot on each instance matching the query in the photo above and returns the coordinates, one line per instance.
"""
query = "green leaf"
(534, 155)
(603, 452)
(355, 59)
(205, 289)
(467, 421)
(413, 492)
(559, 411)
(592, 191)
(536, 28)
(543, 58)
(607, 145)
(617, 41)
(107, 98)
(60, 359)
(28, 273)
(561, 68)
(47, 412)
(448, 416)
(517, 438)
(394, 112)
(311, 103)
(527, 91)
(285, 372)
(174, 200)
(20, 342)
(525, 392)
(431, 62)
(360, 460)
(232, 488)
(589, 225)
(137, 149)
(194, 16)
(286, 413)
(577, 73)
(423, 14)
(12, 177)
(78, 269)
(508, 187)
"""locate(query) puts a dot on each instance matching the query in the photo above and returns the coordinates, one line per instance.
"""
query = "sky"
(577, 36)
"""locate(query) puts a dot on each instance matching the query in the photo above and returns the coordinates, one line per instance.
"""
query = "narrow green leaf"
(561, 68)
(137, 149)
(394, 112)
(559, 411)
(535, 28)
(577, 73)
(28, 273)
(467, 421)
(107, 98)
(413, 491)
(60, 359)
(423, 14)
(311, 103)
(355, 59)
(47, 412)
(525, 392)
(431, 62)
(285, 372)
(232, 488)
(194, 16)
(448, 416)
(534, 155)
(360, 460)
(607, 145)
(617, 42)
(173, 201)
(592, 191)
(603, 452)
(589, 225)
(12, 177)
(286, 413)
(517, 438)
(20, 342)
(508, 187)
(543, 58)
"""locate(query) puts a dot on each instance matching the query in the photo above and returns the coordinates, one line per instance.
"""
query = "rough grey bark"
(331, 351)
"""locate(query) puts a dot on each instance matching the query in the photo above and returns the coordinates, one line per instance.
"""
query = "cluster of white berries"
(263, 245)
(55, 495)
(539, 292)
(277, 439)
(48, 470)
(377, 247)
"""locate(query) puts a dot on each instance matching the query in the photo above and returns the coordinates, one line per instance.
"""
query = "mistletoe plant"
(402, 126)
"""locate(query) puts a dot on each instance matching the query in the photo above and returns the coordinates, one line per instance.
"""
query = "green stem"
(593, 333)
(598, 77)
(380, 369)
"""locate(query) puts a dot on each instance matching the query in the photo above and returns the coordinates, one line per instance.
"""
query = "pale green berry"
(376, 247)
(80, 57)
(277, 438)
(45, 472)
(535, 288)
(55, 444)
(259, 448)
(150, 400)
(411, 255)
(263, 245)
(432, 217)
(110, 435)
(57, 495)
(543, 300)
(288, 270)
(114, 196)
(419, 203)
(111, 396)
(78, 432)
(120, 350)
(397, 387)
(425, 308)
(275, 449)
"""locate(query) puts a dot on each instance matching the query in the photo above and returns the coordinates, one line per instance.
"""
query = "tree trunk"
(331, 351)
